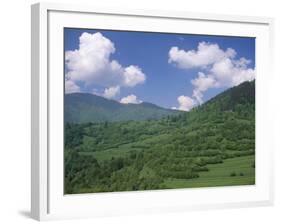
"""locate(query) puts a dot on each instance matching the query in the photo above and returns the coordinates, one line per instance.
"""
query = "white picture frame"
(47, 198)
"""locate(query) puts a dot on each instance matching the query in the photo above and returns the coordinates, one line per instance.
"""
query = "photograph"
(157, 111)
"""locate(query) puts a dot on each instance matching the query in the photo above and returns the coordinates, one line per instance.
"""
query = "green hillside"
(85, 107)
(212, 145)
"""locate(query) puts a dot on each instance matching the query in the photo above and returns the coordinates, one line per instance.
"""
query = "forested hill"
(85, 107)
(233, 98)
(212, 145)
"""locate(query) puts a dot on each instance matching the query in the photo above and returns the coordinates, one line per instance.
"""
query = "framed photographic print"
(145, 111)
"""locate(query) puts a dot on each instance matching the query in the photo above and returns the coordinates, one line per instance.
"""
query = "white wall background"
(15, 111)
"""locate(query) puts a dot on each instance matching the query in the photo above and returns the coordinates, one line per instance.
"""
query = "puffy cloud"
(111, 92)
(91, 61)
(206, 54)
(91, 64)
(232, 72)
(133, 75)
(130, 99)
(219, 68)
(201, 84)
(71, 87)
(243, 75)
(185, 103)
(242, 62)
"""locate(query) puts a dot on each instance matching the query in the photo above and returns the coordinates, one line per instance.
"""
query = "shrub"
(232, 174)
(200, 168)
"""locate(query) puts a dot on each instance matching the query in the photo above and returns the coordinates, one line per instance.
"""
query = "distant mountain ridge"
(86, 107)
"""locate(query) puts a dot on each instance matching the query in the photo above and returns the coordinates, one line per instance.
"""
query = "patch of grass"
(218, 175)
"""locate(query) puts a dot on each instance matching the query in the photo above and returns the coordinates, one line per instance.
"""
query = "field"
(220, 175)
(232, 172)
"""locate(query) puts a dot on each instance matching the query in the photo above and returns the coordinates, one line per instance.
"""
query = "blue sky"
(162, 74)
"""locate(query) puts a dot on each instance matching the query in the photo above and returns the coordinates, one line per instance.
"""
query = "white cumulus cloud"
(205, 54)
(232, 72)
(111, 92)
(133, 75)
(130, 99)
(186, 103)
(217, 67)
(91, 64)
(201, 84)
